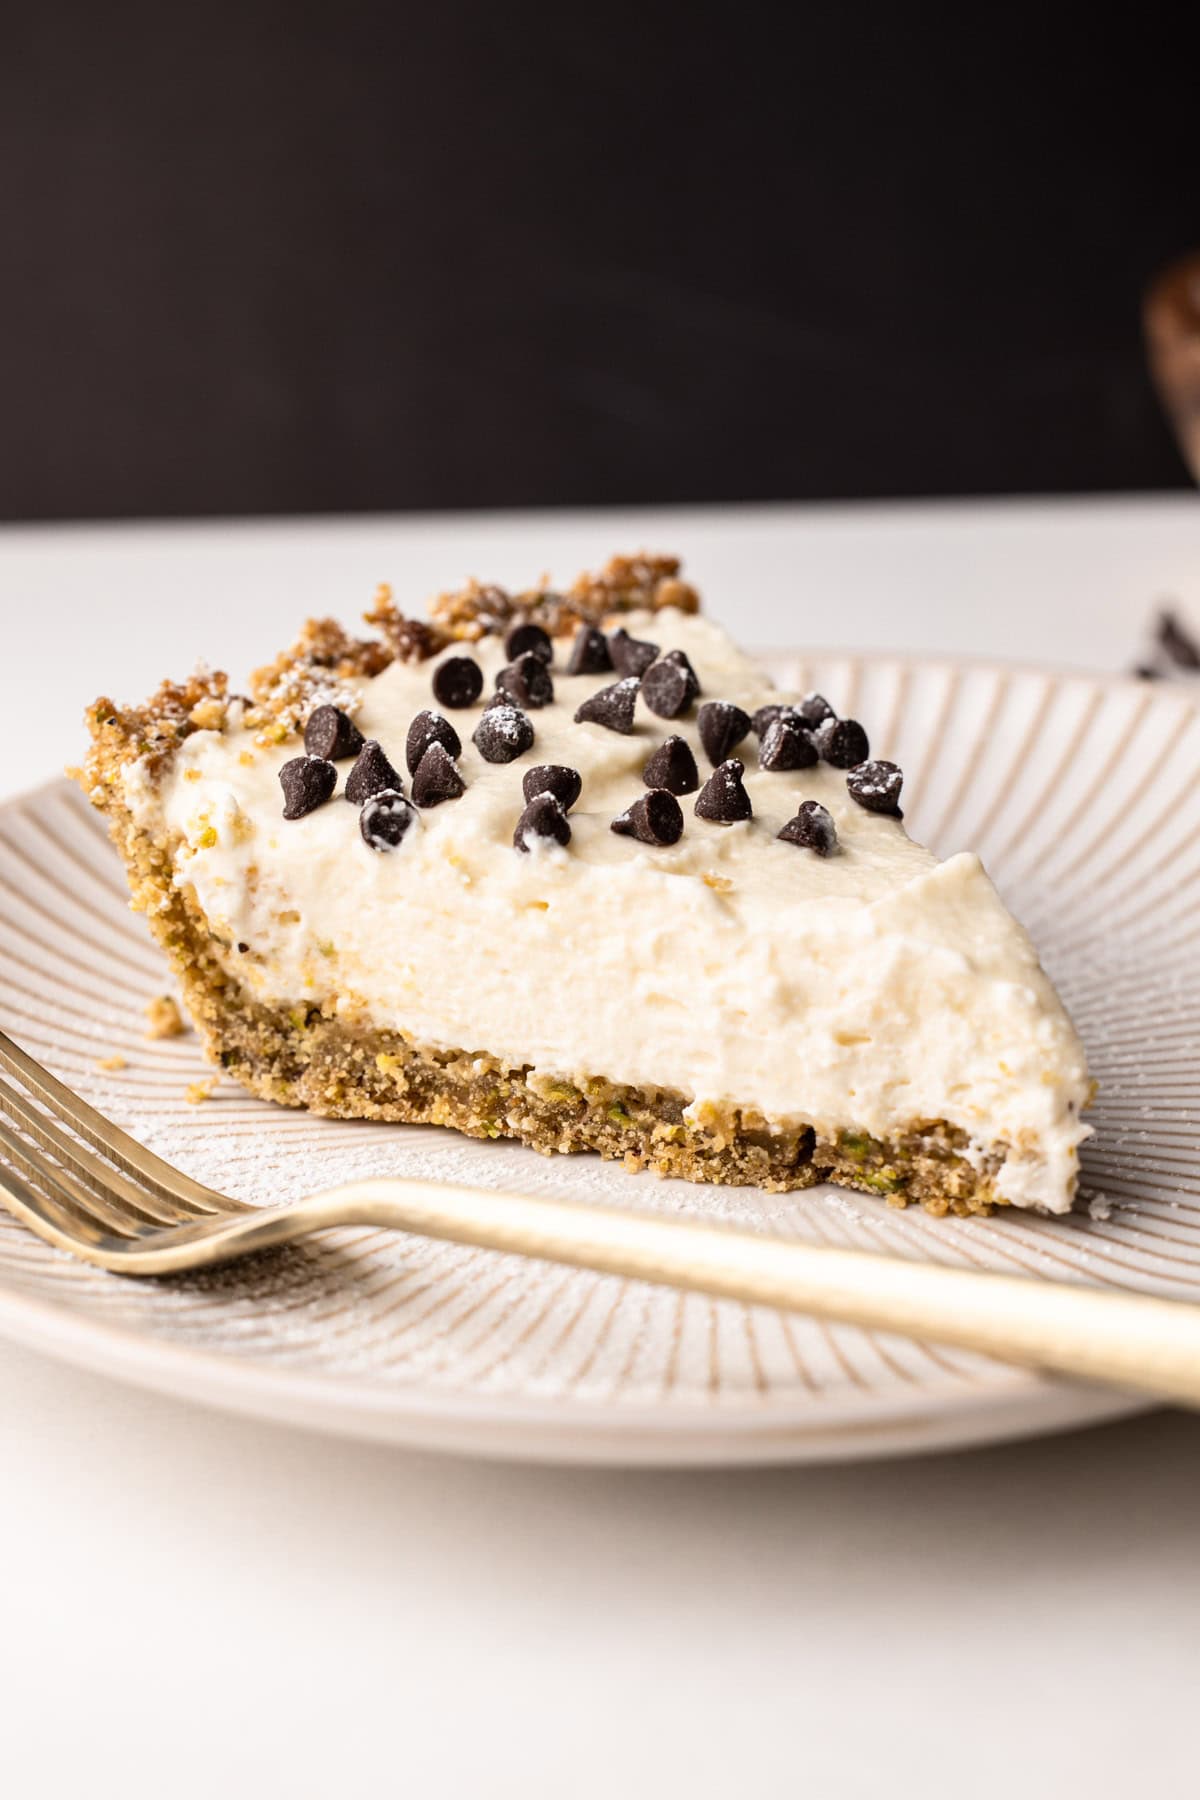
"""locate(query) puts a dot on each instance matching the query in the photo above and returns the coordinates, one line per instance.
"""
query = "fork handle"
(1129, 1341)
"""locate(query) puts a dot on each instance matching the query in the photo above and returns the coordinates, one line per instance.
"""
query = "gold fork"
(79, 1181)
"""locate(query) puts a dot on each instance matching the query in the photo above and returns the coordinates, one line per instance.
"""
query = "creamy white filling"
(867, 991)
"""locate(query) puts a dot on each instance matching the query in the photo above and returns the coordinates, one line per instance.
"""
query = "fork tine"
(104, 1135)
(103, 1181)
(44, 1204)
(89, 1215)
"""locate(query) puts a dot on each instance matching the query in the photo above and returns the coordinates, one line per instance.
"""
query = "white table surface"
(197, 1605)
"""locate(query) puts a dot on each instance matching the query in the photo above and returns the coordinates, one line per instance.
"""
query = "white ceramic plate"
(1082, 794)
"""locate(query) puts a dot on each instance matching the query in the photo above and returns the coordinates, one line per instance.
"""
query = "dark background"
(277, 258)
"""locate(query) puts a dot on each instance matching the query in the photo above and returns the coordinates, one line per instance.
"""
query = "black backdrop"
(263, 257)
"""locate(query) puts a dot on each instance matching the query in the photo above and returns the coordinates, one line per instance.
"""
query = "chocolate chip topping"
(457, 682)
(812, 828)
(331, 733)
(542, 818)
(529, 640)
(1179, 644)
(371, 774)
(842, 742)
(436, 778)
(766, 716)
(430, 728)
(876, 785)
(307, 782)
(630, 656)
(503, 733)
(814, 709)
(723, 800)
(526, 682)
(722, 727)
(611, 706)
(672, 767)
(589, 652)
(786, 744)
(553, 778)
(384, 819)
(669, 685)
(654, 818)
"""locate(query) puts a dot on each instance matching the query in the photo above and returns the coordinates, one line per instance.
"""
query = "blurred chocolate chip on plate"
(1179, 644)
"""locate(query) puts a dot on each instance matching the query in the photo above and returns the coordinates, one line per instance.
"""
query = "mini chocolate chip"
(331, 733)
(672, 767)
(722, 727)
(669, 685)
(436, 778)
(630, 656)
(385, 818)
(766, 716)
(371, 774)
(589, 652)
(786, 744)
(611, 706)
(503, 733)
(430, 728)
(654, 818)
(1179, 644)
(876, 785)
(814, 709)
(812, 828)
(307, 782)
(553, 778)
(1147, 672)
(723, 800)
(526, 682)
(542, 818)
(529, 640)
(842, 742)
(457, 682)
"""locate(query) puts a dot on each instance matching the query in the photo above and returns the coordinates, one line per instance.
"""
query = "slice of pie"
(562, 867)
